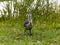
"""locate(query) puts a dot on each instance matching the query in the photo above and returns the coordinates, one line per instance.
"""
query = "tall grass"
(44, 32)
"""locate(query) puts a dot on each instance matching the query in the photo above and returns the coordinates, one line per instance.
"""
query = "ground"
(12, 33)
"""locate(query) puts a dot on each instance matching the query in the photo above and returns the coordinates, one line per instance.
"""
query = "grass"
(11, 33)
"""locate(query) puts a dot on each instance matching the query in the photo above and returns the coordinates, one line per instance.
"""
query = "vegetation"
(46, 23)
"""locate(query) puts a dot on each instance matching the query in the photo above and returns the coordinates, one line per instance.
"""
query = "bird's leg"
(24, 32)
(30, 32)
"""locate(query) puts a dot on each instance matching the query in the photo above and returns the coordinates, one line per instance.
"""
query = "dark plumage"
(27, 25)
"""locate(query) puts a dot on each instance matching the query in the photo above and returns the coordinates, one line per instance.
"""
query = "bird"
(28, 24)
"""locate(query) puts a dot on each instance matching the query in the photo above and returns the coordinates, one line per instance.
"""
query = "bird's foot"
(30, 34)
